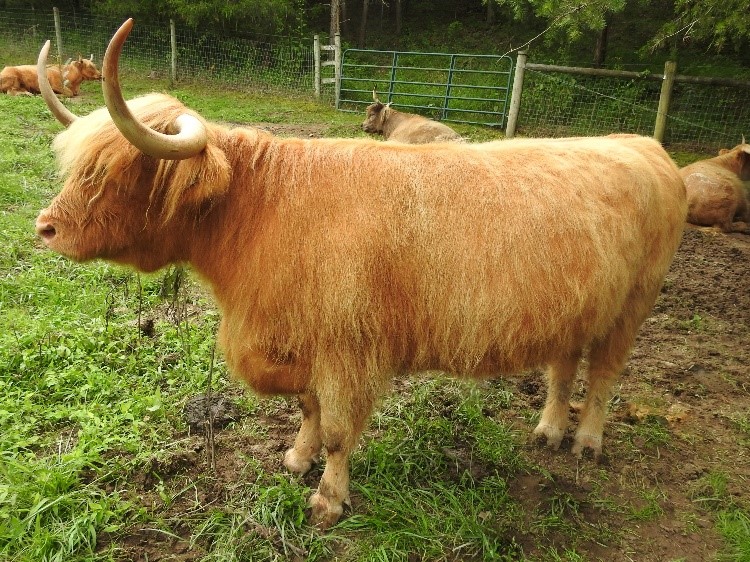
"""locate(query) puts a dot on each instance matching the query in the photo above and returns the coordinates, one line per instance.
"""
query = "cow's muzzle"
(45, 229)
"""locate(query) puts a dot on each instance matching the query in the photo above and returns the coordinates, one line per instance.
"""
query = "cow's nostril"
(46, 231)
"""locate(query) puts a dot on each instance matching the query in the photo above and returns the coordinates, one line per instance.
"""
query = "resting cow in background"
(717, 190)
(394, 125)
(67, 80)
(338, 263)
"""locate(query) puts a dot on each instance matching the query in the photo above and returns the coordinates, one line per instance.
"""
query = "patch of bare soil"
(672, 425)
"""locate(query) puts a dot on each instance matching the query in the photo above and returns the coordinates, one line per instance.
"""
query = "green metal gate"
(451, 87)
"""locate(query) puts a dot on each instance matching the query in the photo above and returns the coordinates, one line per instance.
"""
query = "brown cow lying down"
(717, 190)
(338, 263)
(23, 79)
(397, 126)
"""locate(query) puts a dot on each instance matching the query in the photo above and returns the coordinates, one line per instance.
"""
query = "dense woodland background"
(612, 33)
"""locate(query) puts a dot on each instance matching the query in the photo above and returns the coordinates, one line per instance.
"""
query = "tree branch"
(549, 27)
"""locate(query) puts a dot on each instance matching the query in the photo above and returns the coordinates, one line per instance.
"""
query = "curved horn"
(55, 105)
(375, 96)
(191, 137)
(91, 57)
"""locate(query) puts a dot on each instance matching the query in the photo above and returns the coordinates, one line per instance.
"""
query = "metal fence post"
(316, 59)
(58, 33)
(173, 43)
(670, 68)
(515, 96)
(449, 85)
(392, 80)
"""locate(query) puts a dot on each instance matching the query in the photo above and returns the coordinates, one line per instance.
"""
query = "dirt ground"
(689, 375)
(678, 421)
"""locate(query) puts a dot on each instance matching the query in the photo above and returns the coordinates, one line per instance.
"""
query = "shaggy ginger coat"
(337, 263)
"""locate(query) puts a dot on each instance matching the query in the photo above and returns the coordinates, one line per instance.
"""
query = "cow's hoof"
(552, 435)
(587, 442)
(323, 513)
(297, 464)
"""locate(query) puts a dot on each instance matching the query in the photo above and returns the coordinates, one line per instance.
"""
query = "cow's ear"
(194, 181)
(744, 157)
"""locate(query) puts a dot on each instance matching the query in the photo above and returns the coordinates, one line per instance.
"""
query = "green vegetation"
(732, 520)
(97, 364)
(234, 48)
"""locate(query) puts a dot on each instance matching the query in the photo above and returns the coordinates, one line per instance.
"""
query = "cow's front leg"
(307, 445)
(327, 504)
(342, 419)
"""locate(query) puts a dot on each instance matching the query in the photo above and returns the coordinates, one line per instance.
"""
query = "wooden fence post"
(336, 63)
(337, 69)
(670, 69)
(515, 97)
(58, 33)
(173, 42)
(316, 58)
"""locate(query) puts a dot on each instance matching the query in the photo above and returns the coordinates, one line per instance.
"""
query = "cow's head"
(738, 159)
(133, 174)
(376, 115)
(87, 68)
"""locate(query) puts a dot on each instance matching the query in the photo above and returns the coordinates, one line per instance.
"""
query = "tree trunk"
(363, 25)
(490, 12)
(600, 51)
(398, 18)
(335, 20)
(344, 18)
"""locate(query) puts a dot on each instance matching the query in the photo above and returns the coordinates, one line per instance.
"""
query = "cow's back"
(421, 130)
(23, 78)
(471, 257)
(548, 241)
(716, 196)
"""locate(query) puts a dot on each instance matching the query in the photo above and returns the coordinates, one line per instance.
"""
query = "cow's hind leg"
(554, 421)
(606, 360)
(308, 443)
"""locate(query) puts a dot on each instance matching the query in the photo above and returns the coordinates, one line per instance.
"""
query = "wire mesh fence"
(708, 117)
(560, 104)
(282, 64)
(701, 117)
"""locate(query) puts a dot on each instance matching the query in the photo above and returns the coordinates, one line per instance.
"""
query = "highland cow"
(65, 80)
(717, 190)
(398, 126)
(337, 263)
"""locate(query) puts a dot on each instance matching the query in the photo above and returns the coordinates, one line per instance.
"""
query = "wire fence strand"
(701, 118)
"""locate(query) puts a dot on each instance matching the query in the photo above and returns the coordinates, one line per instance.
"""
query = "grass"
(732, 520)
(95, 453)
